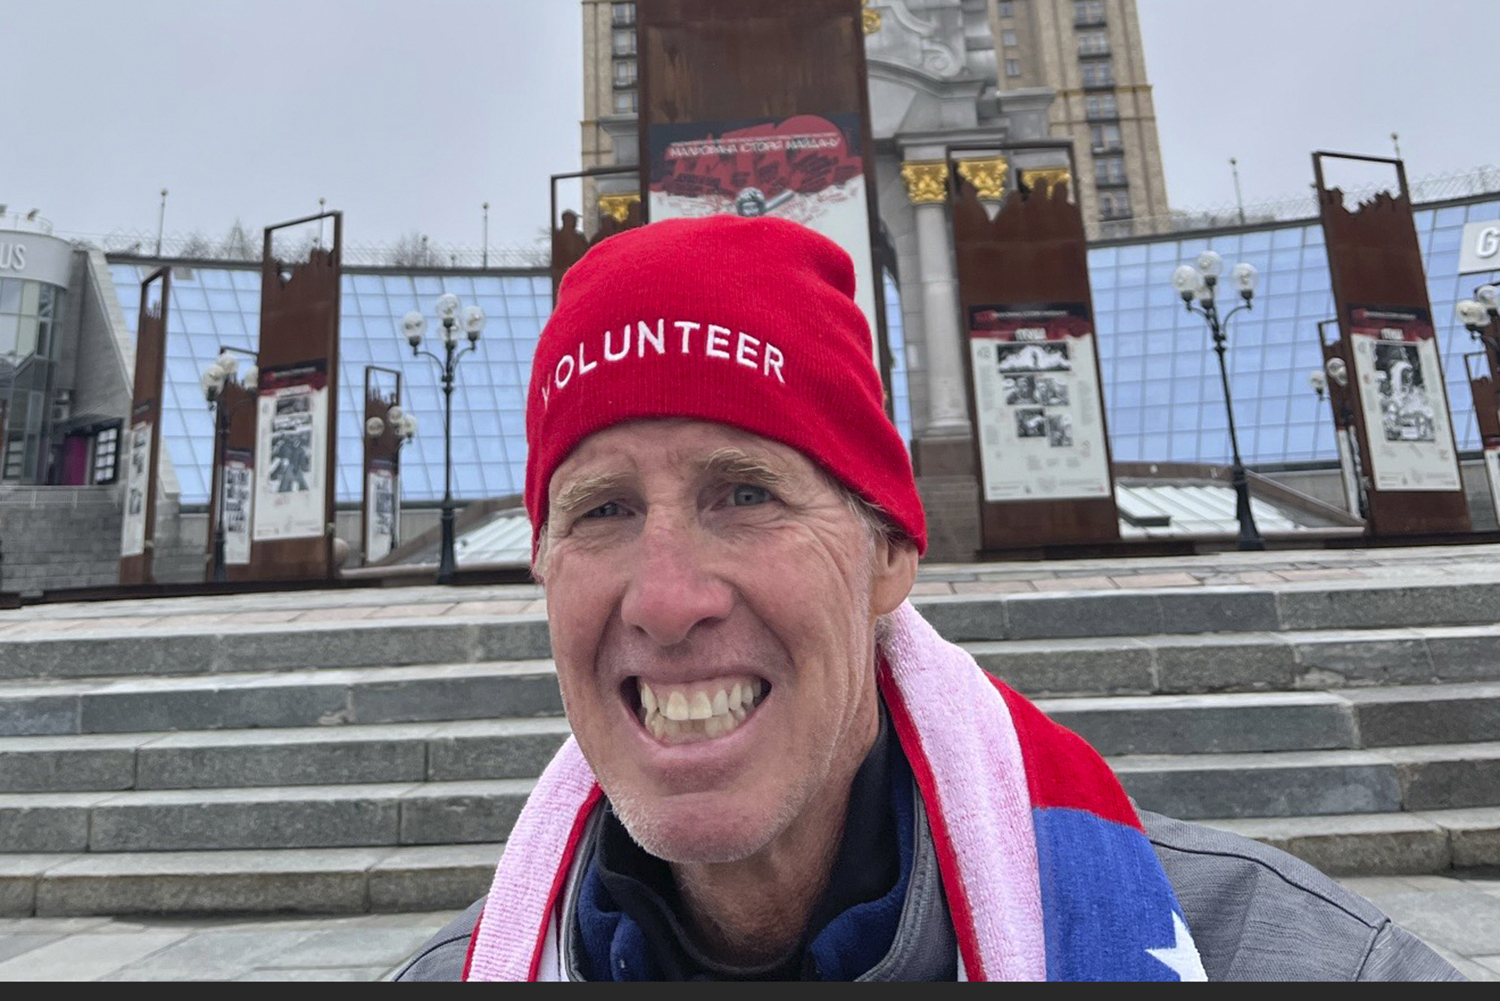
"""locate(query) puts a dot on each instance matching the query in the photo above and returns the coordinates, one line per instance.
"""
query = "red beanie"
(746, 322)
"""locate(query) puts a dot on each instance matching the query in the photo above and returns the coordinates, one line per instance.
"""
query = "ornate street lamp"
(1481, 315)
(1198, 284)
(455, 319)
(213, 379)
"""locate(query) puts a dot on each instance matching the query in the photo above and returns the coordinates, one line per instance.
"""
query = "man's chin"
(699, 833)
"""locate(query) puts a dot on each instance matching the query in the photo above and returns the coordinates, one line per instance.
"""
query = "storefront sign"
(35, 257)
(1036, 399)
(1480, 250)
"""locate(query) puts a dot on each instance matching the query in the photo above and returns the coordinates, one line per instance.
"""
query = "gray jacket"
(1256, 913)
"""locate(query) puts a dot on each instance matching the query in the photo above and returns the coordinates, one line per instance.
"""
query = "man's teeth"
(685, 713)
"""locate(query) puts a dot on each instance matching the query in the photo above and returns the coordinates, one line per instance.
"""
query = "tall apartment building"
(1089, 52)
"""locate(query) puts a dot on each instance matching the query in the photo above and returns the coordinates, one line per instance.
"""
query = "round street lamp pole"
(1481, 316)
(1198, 284)
(214, 378)
(453, 316)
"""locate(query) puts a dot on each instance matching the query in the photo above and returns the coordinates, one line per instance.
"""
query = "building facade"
(1089, 52)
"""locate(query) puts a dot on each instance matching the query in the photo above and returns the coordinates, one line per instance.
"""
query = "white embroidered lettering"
(584, 366)
(546, 396)
(741, 355)
(624, 350)
(658, 340)
(773, 360)
(557, 376)
(687, 327)
(716, 343)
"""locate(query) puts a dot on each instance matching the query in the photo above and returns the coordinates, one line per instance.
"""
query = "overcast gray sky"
(407, 116)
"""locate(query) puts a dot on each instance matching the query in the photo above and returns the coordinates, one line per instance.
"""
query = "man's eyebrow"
(584, 489)
(736, 464)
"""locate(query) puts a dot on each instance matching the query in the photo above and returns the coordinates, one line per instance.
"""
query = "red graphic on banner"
(798, 156)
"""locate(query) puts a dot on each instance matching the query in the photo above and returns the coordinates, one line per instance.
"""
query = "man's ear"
(895, 571)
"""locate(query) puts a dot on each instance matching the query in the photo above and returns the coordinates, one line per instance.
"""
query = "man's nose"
(672, 589)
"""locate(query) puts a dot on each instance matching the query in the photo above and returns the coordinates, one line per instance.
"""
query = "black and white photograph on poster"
(1405, 410)
(290, 454)
(1403, 400)
(137, 483)
(1031, 423)
(806, 168)
(1036, 392)
(1059, 431)
(239, 480)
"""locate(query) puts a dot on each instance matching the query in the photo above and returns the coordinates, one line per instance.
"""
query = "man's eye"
(608, 510)
(745, 495)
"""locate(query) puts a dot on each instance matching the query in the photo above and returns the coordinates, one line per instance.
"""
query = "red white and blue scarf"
(1047, 872)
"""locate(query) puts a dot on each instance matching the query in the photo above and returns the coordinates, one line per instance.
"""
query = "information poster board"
(1349, 468)
(239, 503)
(381, 526)
(1492, 469)
(1036, 395)
(137, 490)
(808, 169)
(290, 445)
(1405, 402)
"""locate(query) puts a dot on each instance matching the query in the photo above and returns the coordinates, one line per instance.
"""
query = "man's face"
(711, 598)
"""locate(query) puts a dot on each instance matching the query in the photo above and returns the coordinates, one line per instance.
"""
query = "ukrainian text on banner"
(291, 436)
(239, 502)
(137, 485)
(1036, 402)
(808, 168)
(381, 520)
(1405, 402)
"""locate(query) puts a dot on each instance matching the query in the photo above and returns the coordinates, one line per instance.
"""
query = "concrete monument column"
(927, 187)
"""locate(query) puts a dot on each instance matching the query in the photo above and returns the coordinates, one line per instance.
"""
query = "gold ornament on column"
(1048, 176)
(618, 206)
(987, 176)
(871, 17)
(926, 181)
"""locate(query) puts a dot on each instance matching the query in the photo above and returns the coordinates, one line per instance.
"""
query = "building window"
(1105, 138)
(1114, 204)
(1008, 38)
(106, 455)
(1098, 106)
(624, 41)
(625, 102)
(1109, 170)
(1093, 43)
(1007, 8)
(625, 72)
(1088, 12)
(622, 14)
(1100, 74)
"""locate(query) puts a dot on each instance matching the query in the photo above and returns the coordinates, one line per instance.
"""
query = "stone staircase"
(369, 750)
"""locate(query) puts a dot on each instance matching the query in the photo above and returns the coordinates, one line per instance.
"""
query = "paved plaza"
(1457, 912)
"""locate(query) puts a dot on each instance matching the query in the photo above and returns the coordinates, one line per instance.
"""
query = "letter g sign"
(1488, 242)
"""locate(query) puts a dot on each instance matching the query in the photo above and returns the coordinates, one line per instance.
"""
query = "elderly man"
(778, 769)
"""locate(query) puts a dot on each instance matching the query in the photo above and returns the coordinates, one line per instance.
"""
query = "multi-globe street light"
(1481, 315)
(1197, 284)
(213, 380)
(457, 320)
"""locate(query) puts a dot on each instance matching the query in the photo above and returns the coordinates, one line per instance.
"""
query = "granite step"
(75, 647)
(320, 698)
(1314, 783)
(354, 754)
(443, 877)
(328, 816)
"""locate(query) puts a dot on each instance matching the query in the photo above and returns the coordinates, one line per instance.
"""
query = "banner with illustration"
(1037, 402)
(239, 502)
(1405, 402)
(382, 521)
(291, 451)
(137, 487)
(1492, 470)
(808, 168)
